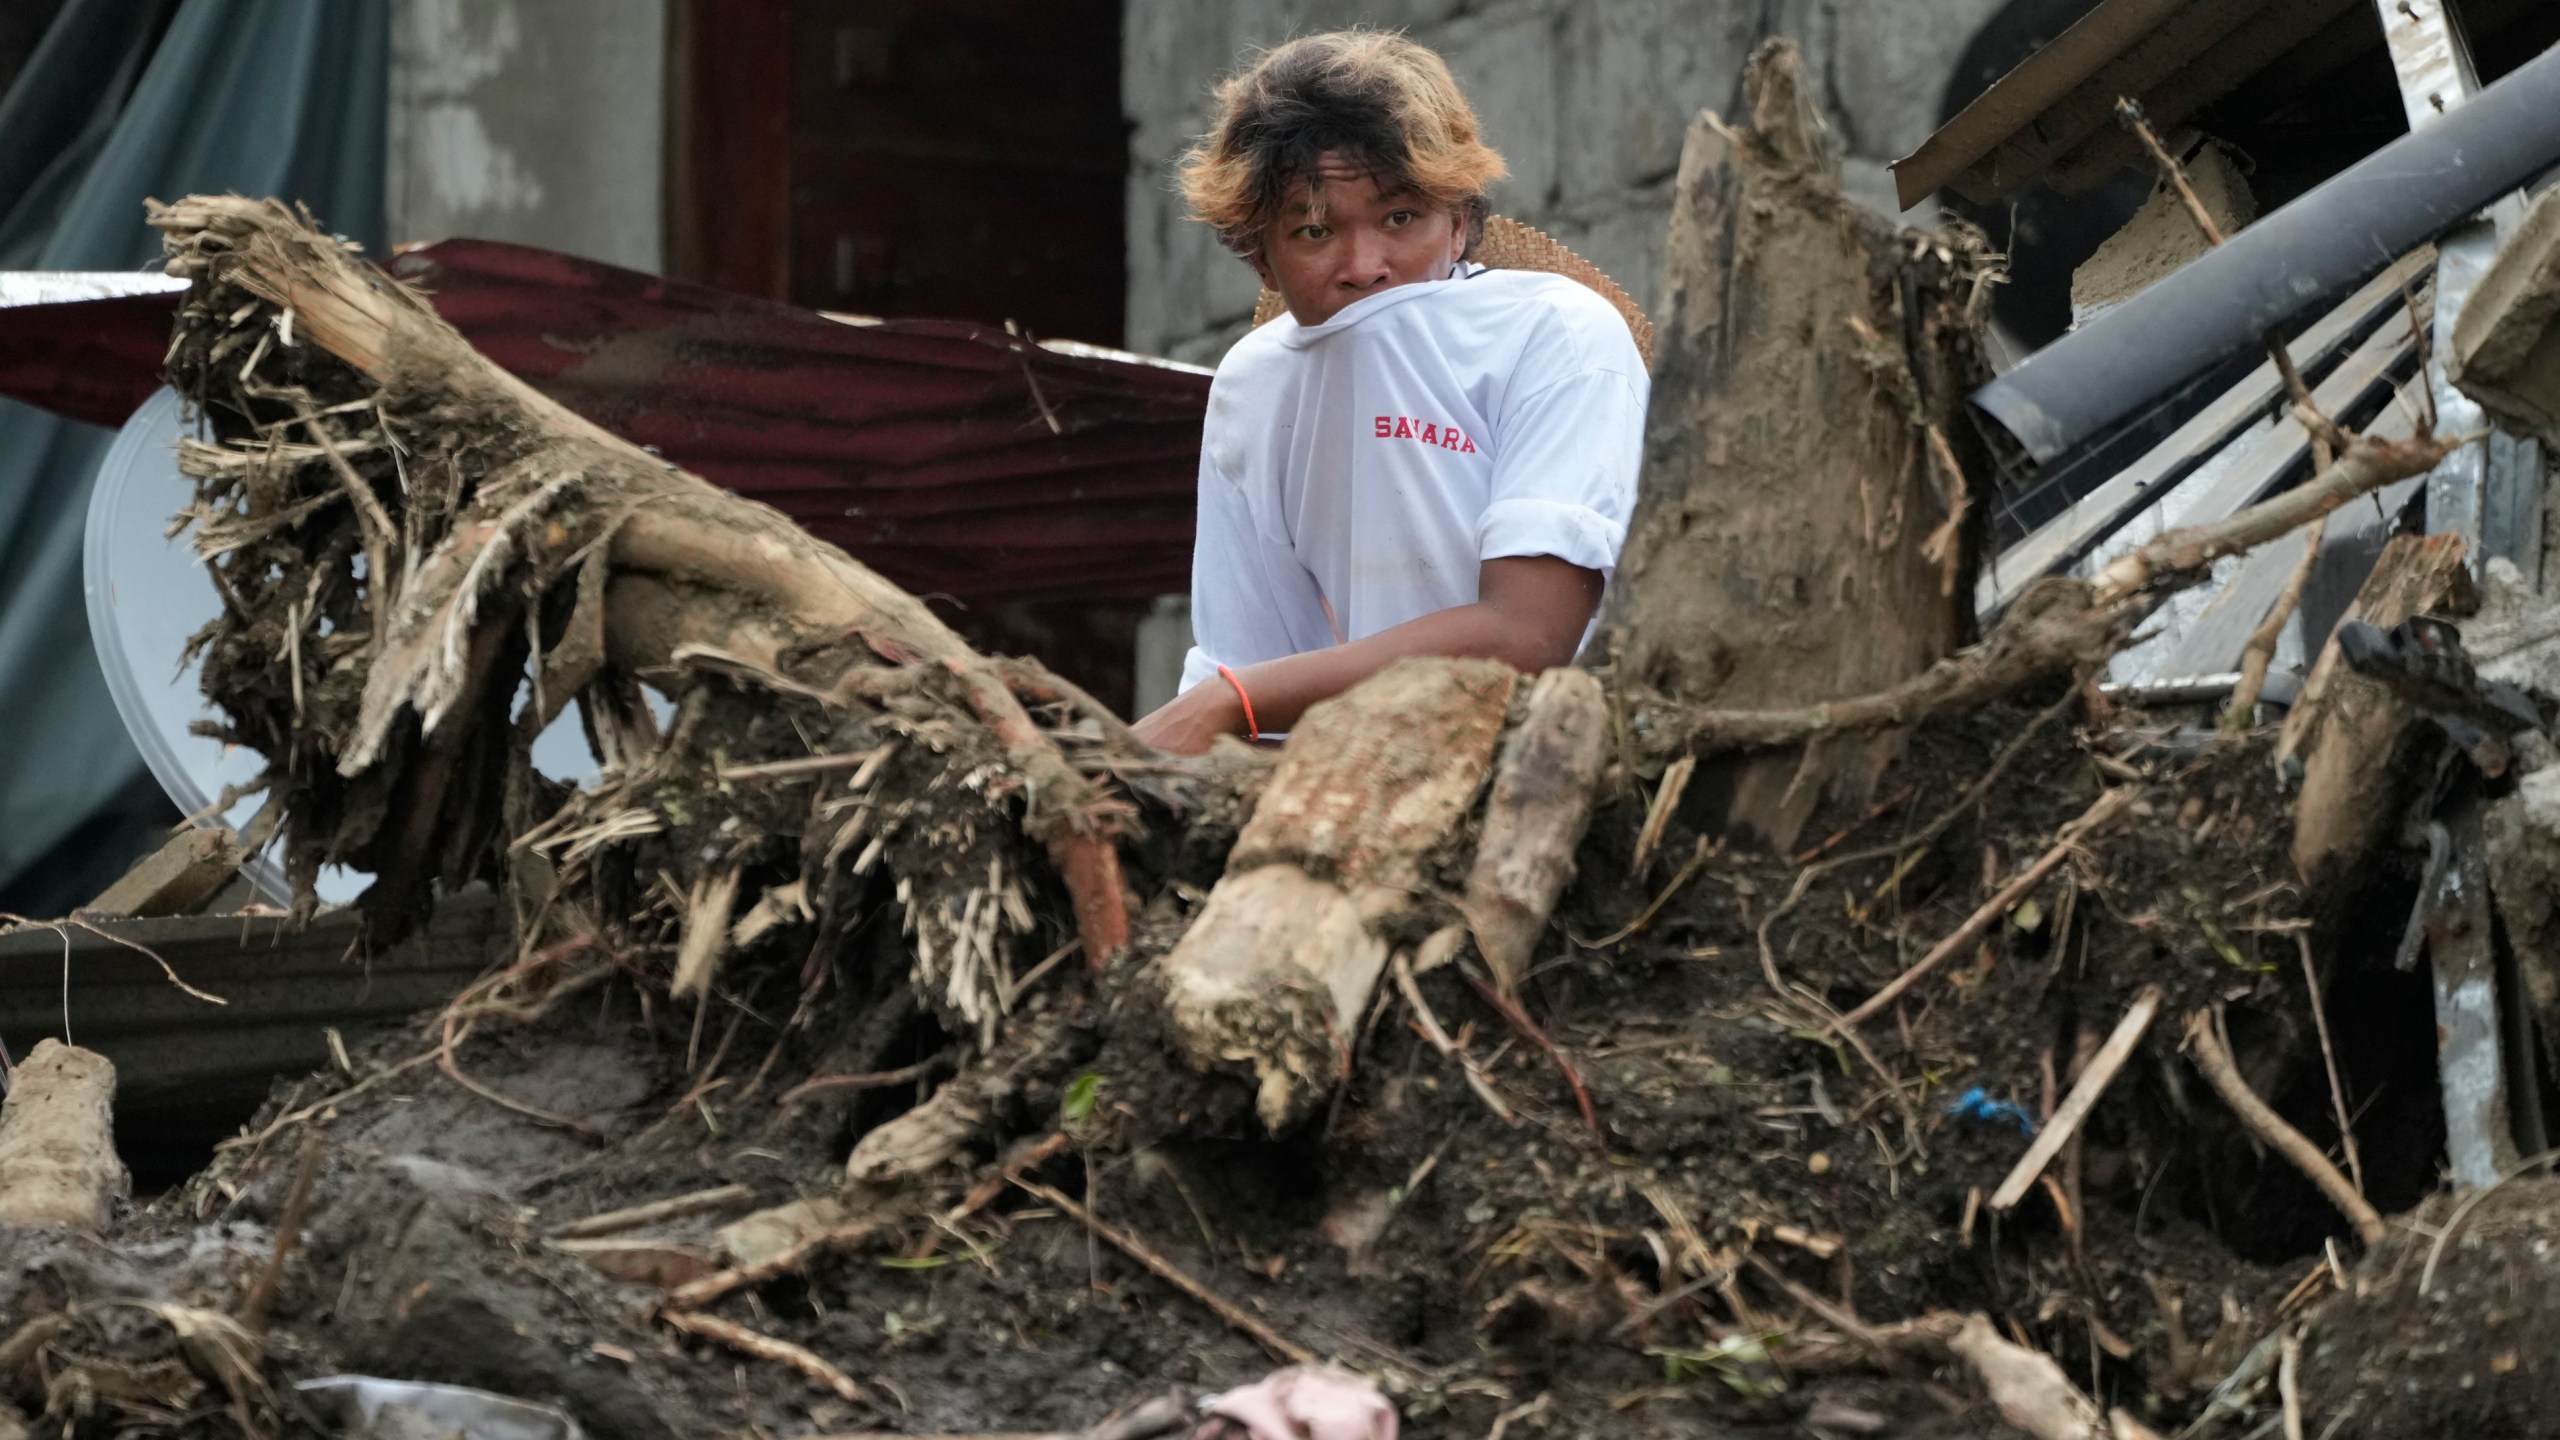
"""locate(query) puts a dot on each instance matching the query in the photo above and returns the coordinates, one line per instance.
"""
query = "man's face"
(1364, 240)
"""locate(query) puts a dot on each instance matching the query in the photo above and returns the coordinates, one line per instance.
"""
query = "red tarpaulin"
(954, 458)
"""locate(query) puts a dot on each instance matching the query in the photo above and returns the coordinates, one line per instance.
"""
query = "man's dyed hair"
(1377, 97)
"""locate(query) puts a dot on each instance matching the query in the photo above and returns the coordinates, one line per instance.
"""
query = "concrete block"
(539, 123)
(1507, 63)
(1631, 76)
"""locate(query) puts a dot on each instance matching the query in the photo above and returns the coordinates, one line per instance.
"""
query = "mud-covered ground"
(1724, 1254)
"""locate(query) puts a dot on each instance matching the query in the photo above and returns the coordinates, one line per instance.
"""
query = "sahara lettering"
(1426, 432)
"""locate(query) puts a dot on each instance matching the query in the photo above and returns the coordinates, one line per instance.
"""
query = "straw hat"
(1510, 245)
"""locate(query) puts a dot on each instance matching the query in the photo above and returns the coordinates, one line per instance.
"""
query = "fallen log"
(58, 1162)
(1276, 969)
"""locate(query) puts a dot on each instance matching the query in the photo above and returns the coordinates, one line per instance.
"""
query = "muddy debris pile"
(1688, 1044)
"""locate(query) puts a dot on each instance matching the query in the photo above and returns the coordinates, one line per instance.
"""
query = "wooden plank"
(176, 879)
(2091, 518)
(2015, 100)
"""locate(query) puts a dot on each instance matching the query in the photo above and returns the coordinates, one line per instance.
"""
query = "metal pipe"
(2226, 300)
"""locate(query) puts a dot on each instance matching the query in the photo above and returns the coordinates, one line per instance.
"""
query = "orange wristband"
(1252, 731)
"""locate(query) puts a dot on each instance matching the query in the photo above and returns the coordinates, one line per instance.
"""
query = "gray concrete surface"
(1587, 99)
(536, 121)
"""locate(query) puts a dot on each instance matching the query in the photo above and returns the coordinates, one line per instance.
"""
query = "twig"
(2259, 652)
(876, 1080)
(2207, 1051)
(695, 1294)
(1025, 1156)
(1503, 1422)
(1280, 1346)
(2288, 1388)
(765, 1347)
(1981, 786)
(2130, 113)
(632, 1217)
(1510, 1010)
(2083, 1098)
(1697, 861)
(1657, 816)
(2329, 1058)
(452, 1069)
(333, 1098)
(297, 1208)
(1983, 919)
(2462, 1211)
(1877, 812)
(1428, 1026)
(864, 764)
(153, 955)
(1832, 1315)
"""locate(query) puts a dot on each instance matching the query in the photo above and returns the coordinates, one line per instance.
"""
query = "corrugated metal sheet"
(955, 458)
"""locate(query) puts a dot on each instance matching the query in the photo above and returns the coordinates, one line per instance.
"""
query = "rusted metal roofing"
(955, 458)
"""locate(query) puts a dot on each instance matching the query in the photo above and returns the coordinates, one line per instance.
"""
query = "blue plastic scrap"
(1975, 1105)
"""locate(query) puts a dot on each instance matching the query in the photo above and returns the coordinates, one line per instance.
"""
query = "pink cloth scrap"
(1309, 1402)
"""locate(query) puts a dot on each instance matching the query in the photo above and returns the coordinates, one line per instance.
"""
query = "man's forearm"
(1529, 613)
(1283, 689)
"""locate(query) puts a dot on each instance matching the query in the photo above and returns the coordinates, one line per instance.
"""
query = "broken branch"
(765, 1347)
(2206, 1049)
(2058, 624)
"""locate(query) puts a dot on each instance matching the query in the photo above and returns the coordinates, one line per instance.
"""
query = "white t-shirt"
(1374, 461)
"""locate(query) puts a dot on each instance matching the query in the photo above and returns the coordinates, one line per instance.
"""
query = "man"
(1422, 456)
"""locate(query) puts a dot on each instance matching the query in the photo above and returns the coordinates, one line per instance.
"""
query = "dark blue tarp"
(263, 97)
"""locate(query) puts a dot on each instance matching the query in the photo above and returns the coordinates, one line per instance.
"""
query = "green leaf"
(926, 1262)
(1082, 1092)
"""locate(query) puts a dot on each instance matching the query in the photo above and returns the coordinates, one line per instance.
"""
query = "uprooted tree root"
(793, 967)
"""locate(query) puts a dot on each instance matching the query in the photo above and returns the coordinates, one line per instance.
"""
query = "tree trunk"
(1802, 529)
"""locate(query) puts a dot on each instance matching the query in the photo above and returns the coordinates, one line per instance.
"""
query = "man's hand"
(1187, 723)
(1530, 612)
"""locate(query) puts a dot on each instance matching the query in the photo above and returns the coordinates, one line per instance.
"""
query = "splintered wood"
(1535, 817)
(1275, 970)
(2346, 729)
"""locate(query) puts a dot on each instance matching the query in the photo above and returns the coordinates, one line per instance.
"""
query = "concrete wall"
(537, 121)
(1587, 100)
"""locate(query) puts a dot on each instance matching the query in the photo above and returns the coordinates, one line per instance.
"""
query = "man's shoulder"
(1580, 327)
(1258, 345)
(1538, 290)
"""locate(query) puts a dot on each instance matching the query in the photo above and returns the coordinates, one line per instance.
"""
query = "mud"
(1615, 1280)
